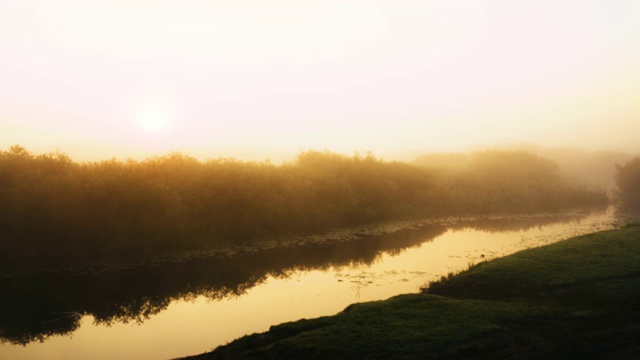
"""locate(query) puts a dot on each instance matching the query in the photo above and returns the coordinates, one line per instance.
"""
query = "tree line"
(57, 211)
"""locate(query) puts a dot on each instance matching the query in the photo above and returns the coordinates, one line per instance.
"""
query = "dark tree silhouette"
(628, 181)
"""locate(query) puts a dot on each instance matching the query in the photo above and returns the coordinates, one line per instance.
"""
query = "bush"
(54, 210)
(628, 181)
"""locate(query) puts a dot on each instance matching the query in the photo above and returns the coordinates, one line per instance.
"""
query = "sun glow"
(153, 121)
(274, 77)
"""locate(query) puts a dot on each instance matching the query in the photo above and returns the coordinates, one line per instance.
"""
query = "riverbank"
(61, 214)
(576, 298)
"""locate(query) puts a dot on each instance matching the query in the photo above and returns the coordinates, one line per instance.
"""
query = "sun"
(153, 120)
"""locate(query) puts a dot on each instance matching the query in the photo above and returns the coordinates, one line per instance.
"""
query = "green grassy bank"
(578, 298)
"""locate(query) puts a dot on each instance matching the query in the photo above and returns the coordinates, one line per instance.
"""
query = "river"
(174, 309)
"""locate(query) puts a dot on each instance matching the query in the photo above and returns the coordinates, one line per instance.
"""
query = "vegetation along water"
(55, 211)
(119, 242)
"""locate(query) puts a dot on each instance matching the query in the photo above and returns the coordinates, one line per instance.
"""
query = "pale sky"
(266, 79)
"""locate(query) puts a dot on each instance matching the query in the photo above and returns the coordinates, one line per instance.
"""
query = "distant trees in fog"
(505, 181)
(55, 210)
(628, 181)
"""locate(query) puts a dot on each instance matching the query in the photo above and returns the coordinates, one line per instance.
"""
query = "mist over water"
(174, 175)
(306, 277)
(104, 249)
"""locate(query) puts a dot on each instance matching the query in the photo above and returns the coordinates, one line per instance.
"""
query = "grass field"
(579, 298)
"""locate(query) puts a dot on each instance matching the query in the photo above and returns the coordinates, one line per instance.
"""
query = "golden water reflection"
(196, 308)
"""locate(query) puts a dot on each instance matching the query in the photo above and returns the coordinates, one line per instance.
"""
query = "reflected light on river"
(194, 326)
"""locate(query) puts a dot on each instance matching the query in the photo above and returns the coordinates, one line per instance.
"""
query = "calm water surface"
(178, 309)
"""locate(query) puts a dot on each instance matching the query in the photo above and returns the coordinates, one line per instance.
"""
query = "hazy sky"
(108, 78)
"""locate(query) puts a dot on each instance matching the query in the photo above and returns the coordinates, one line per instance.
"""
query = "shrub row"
(54, 210)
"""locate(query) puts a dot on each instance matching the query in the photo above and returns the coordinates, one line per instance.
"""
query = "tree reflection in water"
(36, 307)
